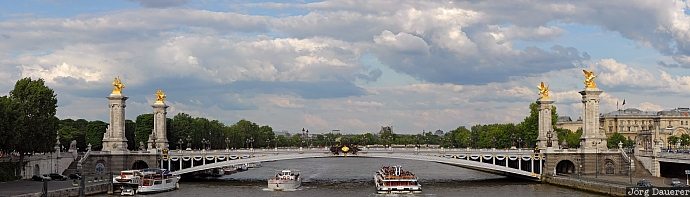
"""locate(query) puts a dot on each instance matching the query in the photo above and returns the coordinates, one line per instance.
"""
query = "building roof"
(675, 112)
(564, 119)
(630, 112)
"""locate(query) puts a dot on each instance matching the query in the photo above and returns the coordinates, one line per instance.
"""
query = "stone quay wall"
(587, 185)
(72, 191)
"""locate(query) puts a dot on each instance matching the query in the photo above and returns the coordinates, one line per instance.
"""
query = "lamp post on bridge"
(179, 144)
(596, 145)
(205, 144)
(519, 142)
(227, 143)
(189, 143)
(251, 143)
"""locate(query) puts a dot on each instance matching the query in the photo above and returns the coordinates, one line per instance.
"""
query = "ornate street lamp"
(179, 144)
(189, 142)
(203, 143)
(227, 143)
(596, 145)
(250, 141)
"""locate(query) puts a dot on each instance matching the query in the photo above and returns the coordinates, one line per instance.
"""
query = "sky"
(348, 65)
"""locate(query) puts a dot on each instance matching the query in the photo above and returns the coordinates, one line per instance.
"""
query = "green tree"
(572, 139)
(130, 129)
(7, 119)
(66, 134)
(94, 134)
(529, 127)
(614, 139)
(672, 140)
(181, 128)
(684, 139)
(144, 127)
(36, 126)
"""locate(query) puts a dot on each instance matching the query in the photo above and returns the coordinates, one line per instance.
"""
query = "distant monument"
(114, 137)
(592, 136)
(547, 136)
(158, 137)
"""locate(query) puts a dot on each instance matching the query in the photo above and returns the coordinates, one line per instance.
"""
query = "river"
(333, 177)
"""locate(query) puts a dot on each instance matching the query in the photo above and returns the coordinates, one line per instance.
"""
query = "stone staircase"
(72, 166)
(640, 170)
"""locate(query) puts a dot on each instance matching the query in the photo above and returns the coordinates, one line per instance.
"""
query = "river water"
(333, 177)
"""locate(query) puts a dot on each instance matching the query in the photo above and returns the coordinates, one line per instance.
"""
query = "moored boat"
(393, 179)
(128, 177)
(285, 180)
(157, 180)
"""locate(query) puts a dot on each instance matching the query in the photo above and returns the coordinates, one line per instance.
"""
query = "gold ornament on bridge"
(543, 91)
(345, 149)
(117, 86)
(589, 79)
(160, 96)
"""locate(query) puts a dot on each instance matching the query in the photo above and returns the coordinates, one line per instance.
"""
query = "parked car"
(41, 177)
(644, 183)
(675, 182)
(76, 176)
(56, 176)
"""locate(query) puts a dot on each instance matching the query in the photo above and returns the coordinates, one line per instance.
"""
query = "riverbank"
(610, 185)
(27, 188)
(590, 185)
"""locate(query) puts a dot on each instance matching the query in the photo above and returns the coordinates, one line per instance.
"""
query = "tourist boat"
(128, 177)
(394, 180)
(157, 180)
(285, 180)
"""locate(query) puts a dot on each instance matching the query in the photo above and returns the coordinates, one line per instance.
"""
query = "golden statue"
(160, 96)
(589, 79)
(543, 91)
(117, 86)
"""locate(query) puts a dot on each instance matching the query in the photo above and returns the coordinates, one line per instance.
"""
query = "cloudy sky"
(351, 65)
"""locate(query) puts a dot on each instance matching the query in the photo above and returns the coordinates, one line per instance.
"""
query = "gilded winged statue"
(160, 96)
(543, 91)
(589, 79)
(117, 86)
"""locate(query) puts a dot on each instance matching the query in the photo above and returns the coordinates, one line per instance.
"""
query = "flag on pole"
(623, 101)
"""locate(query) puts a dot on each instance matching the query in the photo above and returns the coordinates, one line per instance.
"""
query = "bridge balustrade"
(512, 162)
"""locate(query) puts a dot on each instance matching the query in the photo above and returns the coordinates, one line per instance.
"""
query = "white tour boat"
(157, 180)
(285, 180)
(129, 177)
(393, 180)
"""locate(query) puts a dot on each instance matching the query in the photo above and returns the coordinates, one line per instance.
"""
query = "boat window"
(157, 182)
(168, 181)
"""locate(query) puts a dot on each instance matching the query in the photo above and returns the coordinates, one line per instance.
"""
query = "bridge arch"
(139, 164)
(565, 167)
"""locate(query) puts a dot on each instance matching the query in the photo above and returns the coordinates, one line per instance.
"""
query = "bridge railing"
(684, 156)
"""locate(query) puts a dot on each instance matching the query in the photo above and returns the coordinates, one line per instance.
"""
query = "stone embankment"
(591, 185)
(72, 191)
